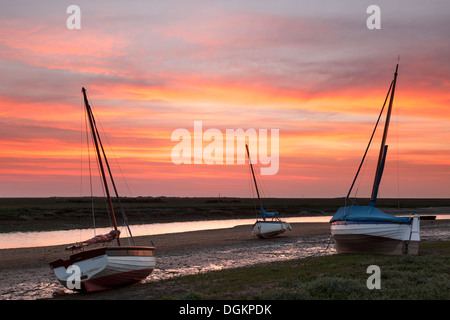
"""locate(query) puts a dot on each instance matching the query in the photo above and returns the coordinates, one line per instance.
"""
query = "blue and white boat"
(366, 229)
(268, 226)
(265, 228)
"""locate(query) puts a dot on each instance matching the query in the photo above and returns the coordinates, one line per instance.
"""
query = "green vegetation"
(336, 277)
(39, 214)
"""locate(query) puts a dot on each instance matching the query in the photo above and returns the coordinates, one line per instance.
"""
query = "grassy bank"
(39, 214)
(336, 277)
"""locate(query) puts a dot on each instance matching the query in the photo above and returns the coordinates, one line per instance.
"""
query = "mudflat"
(25, 272)
(165, 243)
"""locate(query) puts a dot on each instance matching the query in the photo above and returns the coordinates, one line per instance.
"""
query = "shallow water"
(50, 238)
(38, 283)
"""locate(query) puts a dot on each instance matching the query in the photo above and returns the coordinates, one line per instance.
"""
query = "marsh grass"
(335, 277)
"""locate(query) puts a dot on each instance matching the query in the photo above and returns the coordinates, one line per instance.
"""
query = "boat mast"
(253, 174)
(96, 137)
(383, 147)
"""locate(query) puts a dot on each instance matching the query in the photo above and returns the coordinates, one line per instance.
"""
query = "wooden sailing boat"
(266, 228)
(107, 266)
(357, 229)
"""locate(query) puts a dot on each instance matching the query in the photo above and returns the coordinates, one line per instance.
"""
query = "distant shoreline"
(64, 213)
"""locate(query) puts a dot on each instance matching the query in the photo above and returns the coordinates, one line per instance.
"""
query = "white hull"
(386, 238)
(105, 268)
(361, 229)
(270, 229)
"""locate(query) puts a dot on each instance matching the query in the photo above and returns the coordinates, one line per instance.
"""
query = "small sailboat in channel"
(366, 229)
(107, 266)
(264, 228)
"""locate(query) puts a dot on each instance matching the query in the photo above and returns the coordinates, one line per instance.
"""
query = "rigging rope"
(398, 166)
(124, 217)
(251, 187)
(90, 172)
(370, 141)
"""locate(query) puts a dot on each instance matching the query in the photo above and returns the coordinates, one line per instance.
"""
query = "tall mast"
(383, 147)
(254, 179)
(96, 137)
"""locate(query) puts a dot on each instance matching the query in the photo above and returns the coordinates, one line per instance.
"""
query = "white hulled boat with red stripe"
(108, 266)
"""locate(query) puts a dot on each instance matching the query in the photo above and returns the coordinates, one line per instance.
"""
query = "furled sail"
(266, 214)
(366, 214)
(102, 238)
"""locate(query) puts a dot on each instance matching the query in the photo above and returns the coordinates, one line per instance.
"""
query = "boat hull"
(105, 268)
(372, 237)
(270, 229)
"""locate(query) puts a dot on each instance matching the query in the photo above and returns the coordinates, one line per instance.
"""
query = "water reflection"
(51, 238)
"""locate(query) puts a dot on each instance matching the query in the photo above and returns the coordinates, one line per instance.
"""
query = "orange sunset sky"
(311, 69)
